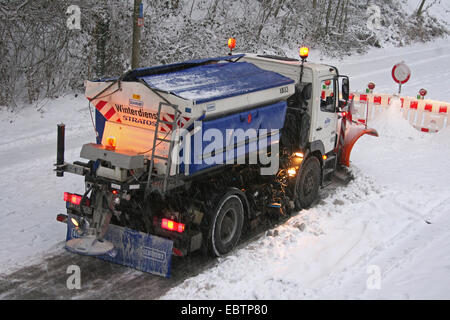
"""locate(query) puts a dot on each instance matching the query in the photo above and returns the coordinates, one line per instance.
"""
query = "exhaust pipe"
(60, 150)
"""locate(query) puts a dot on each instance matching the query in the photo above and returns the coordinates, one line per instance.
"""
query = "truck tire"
(309, 182)
(226, 225)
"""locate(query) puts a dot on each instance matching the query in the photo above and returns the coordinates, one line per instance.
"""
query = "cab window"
(327, 96)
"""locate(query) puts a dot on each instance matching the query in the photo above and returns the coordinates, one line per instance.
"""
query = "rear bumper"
(138, 250)
(183, 243)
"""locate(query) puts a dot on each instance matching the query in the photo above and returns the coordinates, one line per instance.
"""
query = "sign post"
(401, 74)
(141, 15)
(138, 21)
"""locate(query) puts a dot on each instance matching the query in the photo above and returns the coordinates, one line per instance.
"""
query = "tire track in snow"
(46, 278)
(403, 56)
(38, 149)
(411, 242)
(45, 136)
(385, 70)
(313, 254)
(385, 254)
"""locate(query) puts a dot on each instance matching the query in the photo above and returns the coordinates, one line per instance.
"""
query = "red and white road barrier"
(423, 114)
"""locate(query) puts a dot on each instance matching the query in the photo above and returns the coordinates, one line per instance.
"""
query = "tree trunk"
(266, 11)
(192, 8)
(419, 11)
(345, 17)
(135, 55)
(101, 34)
(327, 19)
(336, 13)
(277, 9)
(341, 17)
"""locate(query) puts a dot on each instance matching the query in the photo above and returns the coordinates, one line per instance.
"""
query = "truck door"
(325, 127)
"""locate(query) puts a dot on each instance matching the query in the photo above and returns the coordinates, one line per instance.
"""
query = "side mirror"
(345, 89)
(307, 91)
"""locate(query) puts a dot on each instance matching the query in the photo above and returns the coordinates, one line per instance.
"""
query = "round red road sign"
(401, 73)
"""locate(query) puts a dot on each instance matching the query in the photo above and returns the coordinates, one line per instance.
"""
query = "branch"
(22, 5)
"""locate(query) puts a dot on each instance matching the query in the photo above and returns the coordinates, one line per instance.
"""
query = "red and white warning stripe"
(108, 111)
(170, 118)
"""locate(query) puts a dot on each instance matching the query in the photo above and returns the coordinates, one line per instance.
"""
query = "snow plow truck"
(191, 155)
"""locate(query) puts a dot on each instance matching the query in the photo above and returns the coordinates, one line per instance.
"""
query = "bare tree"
(42, 58)
(327, 19)
(419, 11)
(336, 12)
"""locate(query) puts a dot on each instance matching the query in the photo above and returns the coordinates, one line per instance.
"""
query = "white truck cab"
(322, 107)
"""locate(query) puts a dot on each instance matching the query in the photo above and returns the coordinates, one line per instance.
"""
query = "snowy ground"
(391, 223)
(392, 220)
(31, 193)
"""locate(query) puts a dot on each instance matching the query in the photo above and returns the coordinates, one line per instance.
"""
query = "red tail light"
(74, 199)
(177, 252)
(172, 225)
(61, 218)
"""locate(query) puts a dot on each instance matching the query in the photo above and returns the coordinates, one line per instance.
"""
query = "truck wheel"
(309, 182)
(226, 225)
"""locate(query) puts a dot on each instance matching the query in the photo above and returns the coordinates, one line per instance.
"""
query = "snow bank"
(442, 137)
(391, 124)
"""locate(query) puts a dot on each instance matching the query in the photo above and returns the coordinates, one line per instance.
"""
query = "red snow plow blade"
(350, 133)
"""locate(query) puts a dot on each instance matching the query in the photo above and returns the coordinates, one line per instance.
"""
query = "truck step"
(329, 163)
(167, 122)
(327, 176)
(160, 157)
(164, 140)
(343, 176)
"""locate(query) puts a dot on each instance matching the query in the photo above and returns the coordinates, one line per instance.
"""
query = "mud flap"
(138, 250)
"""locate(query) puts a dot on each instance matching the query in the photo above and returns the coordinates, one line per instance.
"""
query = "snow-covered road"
(31, 194)
(385, 235)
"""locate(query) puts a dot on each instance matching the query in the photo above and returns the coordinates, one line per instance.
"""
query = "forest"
(42, 56)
